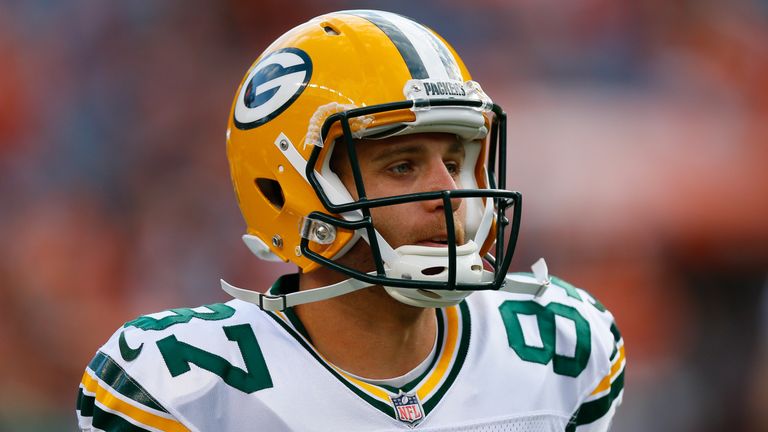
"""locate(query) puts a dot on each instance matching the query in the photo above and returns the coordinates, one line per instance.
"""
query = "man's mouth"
(434, 242)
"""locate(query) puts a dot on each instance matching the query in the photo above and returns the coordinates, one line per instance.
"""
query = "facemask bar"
(498, 141)
(504, 201)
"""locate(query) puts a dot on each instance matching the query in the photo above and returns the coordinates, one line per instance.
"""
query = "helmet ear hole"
(272, 190)
(330, 29)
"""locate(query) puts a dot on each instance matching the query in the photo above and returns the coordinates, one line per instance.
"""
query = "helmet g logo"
(271, 86)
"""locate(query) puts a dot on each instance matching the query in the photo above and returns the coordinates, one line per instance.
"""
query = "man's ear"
(339, 162)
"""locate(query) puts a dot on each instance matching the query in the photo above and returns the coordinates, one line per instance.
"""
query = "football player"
(362, 152)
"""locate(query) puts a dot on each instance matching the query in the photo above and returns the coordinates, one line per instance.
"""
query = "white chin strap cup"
(424, 263)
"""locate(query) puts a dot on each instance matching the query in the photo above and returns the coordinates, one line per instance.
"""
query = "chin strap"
(281, 302)
(522, 283)
(517, 283)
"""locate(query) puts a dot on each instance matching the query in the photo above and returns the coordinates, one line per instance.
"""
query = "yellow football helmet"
(366, 74)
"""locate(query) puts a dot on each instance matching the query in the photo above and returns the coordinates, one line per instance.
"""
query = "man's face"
(403, 165)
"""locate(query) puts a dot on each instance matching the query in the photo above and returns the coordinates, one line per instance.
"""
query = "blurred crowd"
(638, 135)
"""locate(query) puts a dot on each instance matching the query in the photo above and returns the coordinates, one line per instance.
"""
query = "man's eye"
(453, 167)
(401, 168)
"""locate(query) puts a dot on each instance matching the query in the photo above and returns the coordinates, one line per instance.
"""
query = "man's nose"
(439, 178)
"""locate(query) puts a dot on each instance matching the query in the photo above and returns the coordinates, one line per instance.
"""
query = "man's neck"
(368, 333)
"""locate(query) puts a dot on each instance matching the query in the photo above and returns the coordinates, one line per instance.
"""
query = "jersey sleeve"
(111, 400)
(596, 411)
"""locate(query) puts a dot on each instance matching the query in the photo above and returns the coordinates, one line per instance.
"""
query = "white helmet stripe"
(425, 55)
(438, 60)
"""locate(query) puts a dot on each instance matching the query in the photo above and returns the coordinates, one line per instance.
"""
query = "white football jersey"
(503, 362)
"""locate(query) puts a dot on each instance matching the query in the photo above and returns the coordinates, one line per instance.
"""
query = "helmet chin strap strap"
(521, 283)
(534, 285)
(281, 302)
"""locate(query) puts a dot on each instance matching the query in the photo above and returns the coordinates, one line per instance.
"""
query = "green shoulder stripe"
(616, 339)
(115, 377)
(85, 403)
(615, 331)
(104, 420)
(593, 410)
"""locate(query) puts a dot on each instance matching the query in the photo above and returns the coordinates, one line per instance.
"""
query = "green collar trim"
(298, 332)
(285, 284)
(374, 402)
(440, 341)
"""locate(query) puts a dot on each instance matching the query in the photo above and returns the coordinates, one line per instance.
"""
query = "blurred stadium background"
(638, 133)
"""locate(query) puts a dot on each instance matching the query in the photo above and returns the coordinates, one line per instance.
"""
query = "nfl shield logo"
(408, 408)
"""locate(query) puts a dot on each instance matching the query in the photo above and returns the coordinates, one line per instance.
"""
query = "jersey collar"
(453, 326)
